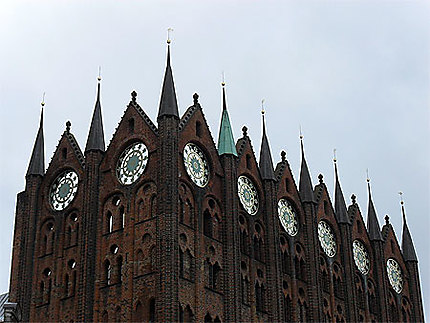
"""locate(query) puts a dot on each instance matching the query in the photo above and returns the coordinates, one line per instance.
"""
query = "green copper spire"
(225, 140)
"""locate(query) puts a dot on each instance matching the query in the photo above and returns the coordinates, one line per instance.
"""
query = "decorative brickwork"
(154, 246)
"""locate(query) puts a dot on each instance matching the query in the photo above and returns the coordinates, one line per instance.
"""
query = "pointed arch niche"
(146, 201)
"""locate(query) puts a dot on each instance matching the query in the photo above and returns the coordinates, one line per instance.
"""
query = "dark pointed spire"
(372, 220)
(168, 104)
(266, 163)
(339, 201)
(225, 139)
(96, 137)
(305, 184)
(37, 161)
(408, 248)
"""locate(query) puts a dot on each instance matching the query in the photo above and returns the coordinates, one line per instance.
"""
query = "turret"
(305, 184)
(37, 160)
(225, 139)
(96, 138)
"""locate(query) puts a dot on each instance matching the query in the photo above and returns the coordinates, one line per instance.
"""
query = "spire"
(168, 104)
(372, 220)
(266, 163)
(305, 184)
(408, 248)
(225, 140)
(96, 137)
(37, 161)
(339, 201)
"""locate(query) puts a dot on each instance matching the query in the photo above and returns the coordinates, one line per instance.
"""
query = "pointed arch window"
(138, 312)
(152, 310)
(207, 223)
(119, 269)
(107, 272)
(260, 297)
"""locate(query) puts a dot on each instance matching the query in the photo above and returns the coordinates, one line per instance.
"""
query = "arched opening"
(207, 223)
(198, 129)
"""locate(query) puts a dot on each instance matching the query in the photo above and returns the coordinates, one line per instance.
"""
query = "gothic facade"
(163, 225)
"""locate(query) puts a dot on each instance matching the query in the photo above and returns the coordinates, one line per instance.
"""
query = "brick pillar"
(167, 305)
(31, 212)
(274, 282)
(347, 259)
(88, 238)
(415, 292)
(311, 239)
(232, 303)
(382, 279)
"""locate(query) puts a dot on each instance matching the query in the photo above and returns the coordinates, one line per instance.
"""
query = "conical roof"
(266, 163)
(408, 248)
(37, 160)
(168, 103)
(96, 138)
(225, 139)
(373, 227)
(305, 184)
(341, 211)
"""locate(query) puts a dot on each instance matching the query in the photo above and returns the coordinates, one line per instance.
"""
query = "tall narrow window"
(248, 161)
(198, 129)
(181, 211)
(109, 222)
(131, 125)
(107, 272)
(207, 223)
(138, 314)
(119, 268)
(121, 217)
(152, 310)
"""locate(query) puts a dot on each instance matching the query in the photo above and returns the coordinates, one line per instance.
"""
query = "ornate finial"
(334, 155)
(168, 35)
(387, 219)
(353, 199)
(99, 78)
(401, 198)
(283, 155)
(43, 100)
(300, 131)
(367, 173)
(245, 131)
(196, 98)
(262, 107)
(321, 177)
(68, 125)
(223, 79)
(133, 96)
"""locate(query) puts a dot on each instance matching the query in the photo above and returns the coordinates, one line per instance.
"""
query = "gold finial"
(367, 173)
(43, 100)
(262, 107)
(334, 155)
(168, 35)
(223, 79)
(99, 78)
(300, 131)
(401, 197)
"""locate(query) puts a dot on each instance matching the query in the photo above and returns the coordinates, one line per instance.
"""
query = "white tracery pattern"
(196, 164)
(288, 217)
(326, 238)
(395, 275)
(361, 257)
(63, 190)
(248, 195)
(132, 163)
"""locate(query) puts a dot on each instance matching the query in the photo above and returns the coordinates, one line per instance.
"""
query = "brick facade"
(165, 249)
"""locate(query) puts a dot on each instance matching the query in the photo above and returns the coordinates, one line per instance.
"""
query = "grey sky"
(353, 74)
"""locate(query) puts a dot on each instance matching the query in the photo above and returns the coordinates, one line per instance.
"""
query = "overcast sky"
(353, 74)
